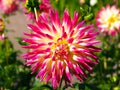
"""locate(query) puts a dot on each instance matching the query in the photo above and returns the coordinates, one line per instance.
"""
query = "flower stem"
(60, 85)
(36, 14)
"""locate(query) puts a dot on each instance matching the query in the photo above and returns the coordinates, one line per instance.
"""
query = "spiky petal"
(59, 48)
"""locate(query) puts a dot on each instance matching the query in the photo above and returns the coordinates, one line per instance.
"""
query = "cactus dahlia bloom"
(61, 48)
(108, 20)
(8, 6)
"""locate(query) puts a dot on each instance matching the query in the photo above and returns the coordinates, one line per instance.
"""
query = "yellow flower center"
(1, 25)
(111, 20)
(60, 49)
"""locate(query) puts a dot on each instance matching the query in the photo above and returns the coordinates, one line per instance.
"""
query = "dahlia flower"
(8, 6)
(60, 49)
(108, 20)
(82, 2)
(2, 26)
(2, 37)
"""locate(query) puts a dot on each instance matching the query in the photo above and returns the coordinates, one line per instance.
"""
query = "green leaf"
(20, 41)
(88, 17)
(87, 88)
(31, 4)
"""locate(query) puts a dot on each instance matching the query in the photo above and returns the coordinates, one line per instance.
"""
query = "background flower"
(93, 2)
(59, 48)
(2, 27)
(81, 2)
(108, 20)
(8, 6)
(45, 5)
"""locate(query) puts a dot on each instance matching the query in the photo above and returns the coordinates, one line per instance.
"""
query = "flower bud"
(2, 26)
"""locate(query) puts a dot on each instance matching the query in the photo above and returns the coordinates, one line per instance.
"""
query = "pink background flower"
(108, 20)
(8, 6)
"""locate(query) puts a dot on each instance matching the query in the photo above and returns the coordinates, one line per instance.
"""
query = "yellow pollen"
(60, 49)
(111, 20)
(1, 26)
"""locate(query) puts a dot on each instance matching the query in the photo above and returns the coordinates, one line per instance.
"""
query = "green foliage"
(86, 12)
(13, 75)
(20, 41)
(32, 4)
(61, 5)
(41, 85)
